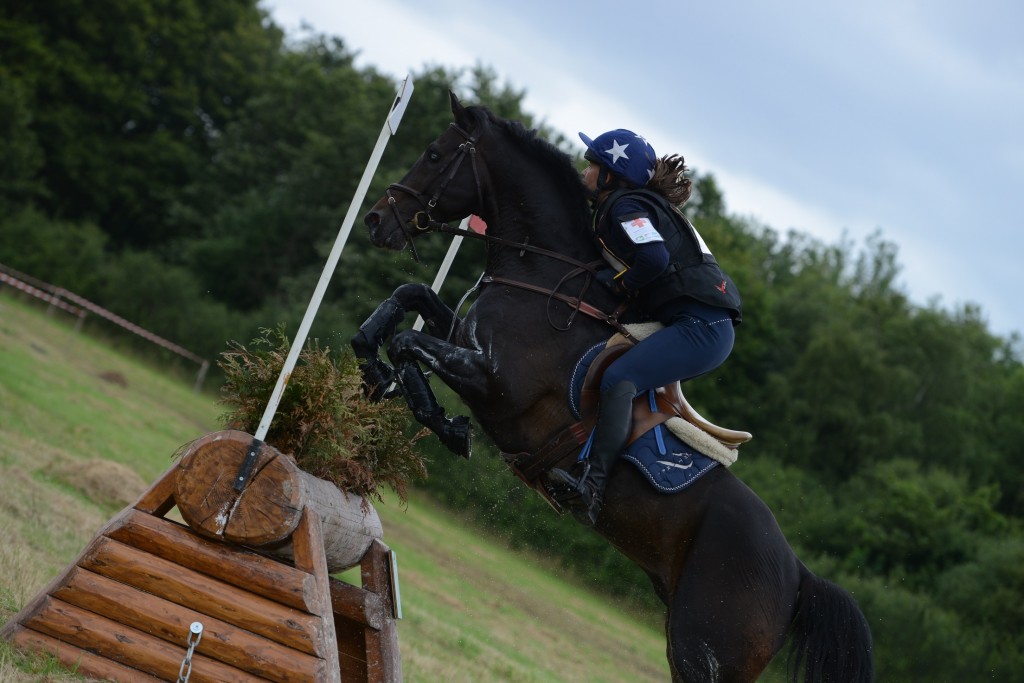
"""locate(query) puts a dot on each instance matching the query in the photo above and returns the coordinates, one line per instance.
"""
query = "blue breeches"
(691, 345)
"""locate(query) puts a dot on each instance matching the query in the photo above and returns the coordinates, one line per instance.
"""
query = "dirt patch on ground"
(102, 481)
(114, 378)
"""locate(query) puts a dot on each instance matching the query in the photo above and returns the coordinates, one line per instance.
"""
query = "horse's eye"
(434, 156)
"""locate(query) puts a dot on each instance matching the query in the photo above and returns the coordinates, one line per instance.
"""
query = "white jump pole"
(390, 127)
(446, 265)
(467, 223)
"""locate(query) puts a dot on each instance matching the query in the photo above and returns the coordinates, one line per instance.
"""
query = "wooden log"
(85, 663)
(357, 605)
(310, 557)
(124, 644)
(268, 509)
(170, 622)
(204, 594)
(231, 564)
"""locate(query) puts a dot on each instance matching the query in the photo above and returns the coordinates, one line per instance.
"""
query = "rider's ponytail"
(669, 180)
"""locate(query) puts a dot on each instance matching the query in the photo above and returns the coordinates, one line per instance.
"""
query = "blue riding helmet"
(624, 153)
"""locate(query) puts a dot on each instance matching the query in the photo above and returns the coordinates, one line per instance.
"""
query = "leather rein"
(423, 222)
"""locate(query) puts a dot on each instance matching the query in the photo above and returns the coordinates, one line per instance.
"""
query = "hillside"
(83, 429)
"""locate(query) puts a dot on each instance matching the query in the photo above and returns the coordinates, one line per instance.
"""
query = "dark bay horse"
(733, 588)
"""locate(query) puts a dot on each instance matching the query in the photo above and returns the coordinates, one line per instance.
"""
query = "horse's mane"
(562, 169)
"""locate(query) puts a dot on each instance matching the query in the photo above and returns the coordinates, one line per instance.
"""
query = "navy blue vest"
(691, 272)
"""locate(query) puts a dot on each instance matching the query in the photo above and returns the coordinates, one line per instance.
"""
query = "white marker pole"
(471, 222)
(390, 126)
(446, 265)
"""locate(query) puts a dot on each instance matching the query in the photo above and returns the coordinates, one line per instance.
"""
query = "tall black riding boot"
(614, 422)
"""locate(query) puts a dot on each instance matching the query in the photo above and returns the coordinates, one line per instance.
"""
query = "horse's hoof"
(377, 378)
(457, 435)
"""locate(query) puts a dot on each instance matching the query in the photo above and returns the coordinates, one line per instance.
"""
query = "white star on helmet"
(617, 151)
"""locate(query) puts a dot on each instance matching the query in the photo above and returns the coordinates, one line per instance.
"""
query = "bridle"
(423, 222)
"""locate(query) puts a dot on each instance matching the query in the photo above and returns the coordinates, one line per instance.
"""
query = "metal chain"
(196, 631)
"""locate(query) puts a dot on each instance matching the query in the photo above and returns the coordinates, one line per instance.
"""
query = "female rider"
(658, 259)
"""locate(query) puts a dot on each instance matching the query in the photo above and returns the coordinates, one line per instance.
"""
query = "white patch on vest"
(700, 241)
(641, 230)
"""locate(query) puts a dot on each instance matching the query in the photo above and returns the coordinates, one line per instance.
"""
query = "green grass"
(473, 611)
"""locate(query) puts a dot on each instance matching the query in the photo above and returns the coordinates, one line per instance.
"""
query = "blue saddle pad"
(666, 461)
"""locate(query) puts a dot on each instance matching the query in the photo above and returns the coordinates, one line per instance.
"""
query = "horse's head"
(443, 185)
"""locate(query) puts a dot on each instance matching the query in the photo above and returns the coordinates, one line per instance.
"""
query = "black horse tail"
(830, 641)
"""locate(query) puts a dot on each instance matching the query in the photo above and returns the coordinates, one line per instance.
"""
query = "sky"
(837, 120)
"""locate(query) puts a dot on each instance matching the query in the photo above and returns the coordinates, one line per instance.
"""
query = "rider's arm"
(650, 256)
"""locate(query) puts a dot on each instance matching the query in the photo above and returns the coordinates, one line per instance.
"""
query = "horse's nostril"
(372, 219)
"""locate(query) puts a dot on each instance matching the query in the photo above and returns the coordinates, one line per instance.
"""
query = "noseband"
(422, 220)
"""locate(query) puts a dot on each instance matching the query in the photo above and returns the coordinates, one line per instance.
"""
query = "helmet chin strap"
(606, 180)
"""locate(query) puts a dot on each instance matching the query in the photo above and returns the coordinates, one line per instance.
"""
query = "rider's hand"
(606, 276)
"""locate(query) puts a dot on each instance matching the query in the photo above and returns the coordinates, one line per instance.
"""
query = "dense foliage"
(323, 420)
(185, 166)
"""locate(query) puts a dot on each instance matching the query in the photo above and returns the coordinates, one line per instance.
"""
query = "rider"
(658, 260)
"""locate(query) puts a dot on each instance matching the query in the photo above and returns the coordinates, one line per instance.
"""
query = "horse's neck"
(525, 214)
(536, 338)
(541, 349)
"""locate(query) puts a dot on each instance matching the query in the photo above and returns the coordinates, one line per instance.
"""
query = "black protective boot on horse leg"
(614, 422)
(455, 433)
(377, 375)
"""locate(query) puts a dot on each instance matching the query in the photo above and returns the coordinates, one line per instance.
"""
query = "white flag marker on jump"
(389, 129)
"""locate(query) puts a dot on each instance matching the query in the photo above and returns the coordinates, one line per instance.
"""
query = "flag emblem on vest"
(721, 287)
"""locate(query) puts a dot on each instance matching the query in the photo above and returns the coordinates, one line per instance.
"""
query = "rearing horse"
(733, 588)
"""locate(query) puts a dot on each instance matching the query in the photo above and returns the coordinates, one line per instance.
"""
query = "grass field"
(84, 429)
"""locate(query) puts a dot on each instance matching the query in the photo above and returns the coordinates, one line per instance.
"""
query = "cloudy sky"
(828, 118)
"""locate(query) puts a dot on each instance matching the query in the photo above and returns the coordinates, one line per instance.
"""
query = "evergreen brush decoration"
(323, 420)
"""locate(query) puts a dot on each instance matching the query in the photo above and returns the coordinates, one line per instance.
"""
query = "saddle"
(669, 400)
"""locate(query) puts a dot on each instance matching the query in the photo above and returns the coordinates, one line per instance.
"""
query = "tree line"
(187, 166)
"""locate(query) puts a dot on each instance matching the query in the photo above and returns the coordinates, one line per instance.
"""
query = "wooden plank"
(78, 660)
(383, 658)
(170, 622)
(127, 646)
(239, 567)
(205, 595)
(158, 499)
(310, 556)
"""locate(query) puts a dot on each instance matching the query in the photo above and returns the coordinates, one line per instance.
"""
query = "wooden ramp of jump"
(124, 608)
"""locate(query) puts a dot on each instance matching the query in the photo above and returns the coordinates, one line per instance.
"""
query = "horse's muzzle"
(382, 234)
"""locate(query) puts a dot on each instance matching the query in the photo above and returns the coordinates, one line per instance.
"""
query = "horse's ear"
(457, 109)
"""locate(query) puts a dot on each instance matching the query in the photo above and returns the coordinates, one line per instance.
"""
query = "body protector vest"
(692, 270)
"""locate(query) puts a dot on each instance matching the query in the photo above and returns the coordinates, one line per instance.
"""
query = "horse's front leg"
(462, 369)
(381, 325)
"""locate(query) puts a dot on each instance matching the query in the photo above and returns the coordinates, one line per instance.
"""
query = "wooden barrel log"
(266, 512)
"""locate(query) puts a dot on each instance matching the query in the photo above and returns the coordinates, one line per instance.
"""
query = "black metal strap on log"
(245, 470)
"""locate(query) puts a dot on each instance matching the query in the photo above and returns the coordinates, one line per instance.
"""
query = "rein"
(576, 303)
